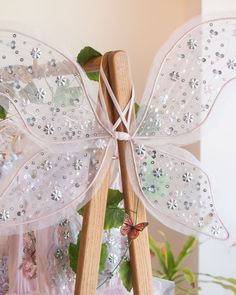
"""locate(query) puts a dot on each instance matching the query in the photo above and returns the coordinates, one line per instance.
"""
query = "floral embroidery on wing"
(29, 265)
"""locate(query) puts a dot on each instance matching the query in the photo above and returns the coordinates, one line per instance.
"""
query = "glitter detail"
(41, 93)
(48, 129)
(192, 44)
(187, 177)
(4, 215)
(172, 204)
(78, 164)
(36, 53)
(56, 195)
(61, 81)
(140, 149)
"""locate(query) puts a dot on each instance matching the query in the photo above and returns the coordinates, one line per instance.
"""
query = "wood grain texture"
(120, 80)
(91, 241)
(93, 65)
(92, 232)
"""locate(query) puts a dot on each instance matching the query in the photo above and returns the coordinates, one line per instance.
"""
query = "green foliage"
(94, 76)
(114, 214)
(125, 275)
(186, 250)
(114, 217)
(189, 276)
(226, 283)
(136, 107)
(73, 254)
(3, 113)
(85, 55)
(171, 268)
(74, 251)
(103, 257)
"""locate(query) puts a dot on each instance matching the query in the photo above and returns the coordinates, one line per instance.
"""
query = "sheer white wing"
(174, 189)
(53, 145)
(188, 74)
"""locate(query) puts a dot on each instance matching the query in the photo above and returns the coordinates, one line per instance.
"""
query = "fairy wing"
(174, 189)
(53, 145)
(188, 74)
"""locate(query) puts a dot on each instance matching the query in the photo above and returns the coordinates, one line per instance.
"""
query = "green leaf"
(125, 275)
(220, 278)
(170, 260)
(74, 251)
(103, 258)
(155, 249)
(86, 54)
(73, 254)
(185, 291)
(114, 197)
(189, 276)
(189, 244)
(94, 76)
(81, 211)
(114, 217)
(3, 113)
(225, 286)
(136, 107)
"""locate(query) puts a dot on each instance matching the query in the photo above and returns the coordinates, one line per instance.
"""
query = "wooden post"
(121, 83)
(93, 224)
(116, 68)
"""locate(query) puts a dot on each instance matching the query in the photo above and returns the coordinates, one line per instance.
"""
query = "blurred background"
(140, 28)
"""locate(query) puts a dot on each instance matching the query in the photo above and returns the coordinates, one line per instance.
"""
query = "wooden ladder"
(116, 67)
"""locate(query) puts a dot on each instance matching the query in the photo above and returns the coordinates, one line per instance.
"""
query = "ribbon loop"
(122, 136)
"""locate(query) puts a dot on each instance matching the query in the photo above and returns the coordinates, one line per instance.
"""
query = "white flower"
(172, 204)
(140, 149)
(41, 93)
(216, 230)
(157, 172)
(56, 195)
(36, 53)
(188, 118)
(101, 144)
(61, 80)
(192, 44)
(231, 64)
(4, 215)
(187, 177)
(194, 83)
(48, 129)
(78, 164)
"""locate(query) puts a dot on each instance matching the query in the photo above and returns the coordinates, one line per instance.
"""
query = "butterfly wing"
(56, 145)
(188, 74)
(174, 189)
(141, 226)
(136, 229)
(127, 225)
